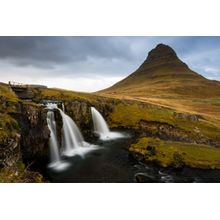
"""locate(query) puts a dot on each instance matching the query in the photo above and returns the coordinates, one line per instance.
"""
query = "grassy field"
(177, 154)
(130, 116)
(64, 95)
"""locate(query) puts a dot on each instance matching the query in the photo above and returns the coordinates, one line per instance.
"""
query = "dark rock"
(166, 131)
(144, 178)
(161, 51)
(34, 132)
(178, 160)
(151, 150)
(137, 156)
(189, 117)
(10, 150)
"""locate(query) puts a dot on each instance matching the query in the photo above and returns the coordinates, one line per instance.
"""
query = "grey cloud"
(87, 56)
(59, 50)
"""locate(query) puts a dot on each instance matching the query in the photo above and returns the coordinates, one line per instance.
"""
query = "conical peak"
(161, 51)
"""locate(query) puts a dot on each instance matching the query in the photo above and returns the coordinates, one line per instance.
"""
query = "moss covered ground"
(64, 95)
(8, 101)
(130, 115)
(19, 173)
(177, 154)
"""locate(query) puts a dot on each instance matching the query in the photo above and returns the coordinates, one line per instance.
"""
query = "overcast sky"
(94, 63)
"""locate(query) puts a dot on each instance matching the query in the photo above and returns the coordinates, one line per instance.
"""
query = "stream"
(112, 163)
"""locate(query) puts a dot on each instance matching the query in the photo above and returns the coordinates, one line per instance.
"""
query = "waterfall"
(71, 136)
(72, 140)
(53, 142)
(100, 125)
(55, 160)
(63, 107)
(101, 128)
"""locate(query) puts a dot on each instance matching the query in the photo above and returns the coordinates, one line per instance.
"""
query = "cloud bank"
(94, 63)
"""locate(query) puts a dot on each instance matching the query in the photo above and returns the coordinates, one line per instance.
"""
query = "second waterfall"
(72, 140)
(101, 128)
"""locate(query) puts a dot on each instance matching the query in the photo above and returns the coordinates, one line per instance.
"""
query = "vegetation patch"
(18, 173)
(130, 115)
(8, 101)
(7, 92)
(177, 154)
(64, 95)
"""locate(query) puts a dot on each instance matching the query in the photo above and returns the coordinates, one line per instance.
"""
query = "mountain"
(163, 74)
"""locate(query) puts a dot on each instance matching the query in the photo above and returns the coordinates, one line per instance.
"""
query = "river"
(112, 163)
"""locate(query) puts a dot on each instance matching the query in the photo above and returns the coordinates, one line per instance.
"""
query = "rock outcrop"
(165, 131)
(23, 130)
(10, 150)
(34, 132)
(162, 55)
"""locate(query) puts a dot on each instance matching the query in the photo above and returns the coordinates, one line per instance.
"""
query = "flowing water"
(112, 163)
(109, 159)
(101, 128)
(55, 160)
(73, 142)
(108, 163)
(63, 107)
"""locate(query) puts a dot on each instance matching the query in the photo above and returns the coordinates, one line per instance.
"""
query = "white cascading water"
(101, 128)
(63, 107)
(55, 160)
(73, 142)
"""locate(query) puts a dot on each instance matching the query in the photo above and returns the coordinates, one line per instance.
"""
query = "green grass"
(5, 91)
(130, 115)
(168, 153)
(215, 101)
(65, 95)
(8, 126)
(8, 101)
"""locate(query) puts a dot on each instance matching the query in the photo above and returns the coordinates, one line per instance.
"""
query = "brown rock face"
(160, 52)
(34, 132)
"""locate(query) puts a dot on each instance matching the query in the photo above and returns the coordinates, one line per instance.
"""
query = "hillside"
(165, 80)
(164, 74)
